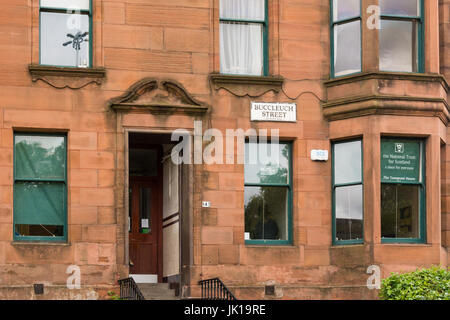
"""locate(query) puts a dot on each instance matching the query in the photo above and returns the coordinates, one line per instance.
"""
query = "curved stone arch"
(160, 96)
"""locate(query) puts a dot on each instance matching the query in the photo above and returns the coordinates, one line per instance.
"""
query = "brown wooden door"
(145, 227)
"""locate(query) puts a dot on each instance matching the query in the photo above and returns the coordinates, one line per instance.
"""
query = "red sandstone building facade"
(92, 91)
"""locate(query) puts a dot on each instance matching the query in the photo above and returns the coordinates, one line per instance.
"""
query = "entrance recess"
(146, 112)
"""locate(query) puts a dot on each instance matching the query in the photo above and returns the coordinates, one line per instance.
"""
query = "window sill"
(241, 85)
(273, 244)
(43, 243)
(347, 245)
(405, 244)
(66, 77)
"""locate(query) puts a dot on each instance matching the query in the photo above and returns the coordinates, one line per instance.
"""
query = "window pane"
(39, 230)
(238, 9)
(400, 211)
(37, 203)
(241, 48)
(70, 4)
(64, 39)
(398, 46)
(349, 212)
(400, 7)
(130, 209)
(347, 162)
(145, 205)
(347, 48)
(344, 9)
(266, 213)
(266, 163)
(39, 157)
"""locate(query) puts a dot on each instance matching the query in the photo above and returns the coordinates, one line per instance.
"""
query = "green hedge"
(423, 284)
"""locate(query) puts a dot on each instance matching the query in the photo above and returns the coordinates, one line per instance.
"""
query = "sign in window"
(402, 190)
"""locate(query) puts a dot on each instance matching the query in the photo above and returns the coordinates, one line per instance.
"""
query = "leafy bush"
(113, 296)
(423, 284)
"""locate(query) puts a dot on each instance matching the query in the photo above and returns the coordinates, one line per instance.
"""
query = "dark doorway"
(145, 206)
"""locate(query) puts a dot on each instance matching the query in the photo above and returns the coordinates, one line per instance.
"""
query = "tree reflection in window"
(267, 192)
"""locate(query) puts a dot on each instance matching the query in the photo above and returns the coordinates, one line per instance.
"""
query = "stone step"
(157, 291)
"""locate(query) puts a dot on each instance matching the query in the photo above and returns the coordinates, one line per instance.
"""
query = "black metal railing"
(129, 290)
(214, 289)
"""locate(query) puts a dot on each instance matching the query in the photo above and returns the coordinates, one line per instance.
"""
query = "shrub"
(113, 296)
(423, 284)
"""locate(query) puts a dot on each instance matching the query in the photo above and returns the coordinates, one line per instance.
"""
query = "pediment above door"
(157, 97)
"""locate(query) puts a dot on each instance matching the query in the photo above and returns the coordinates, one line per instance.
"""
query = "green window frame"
(45, 9)
(273, 183)
(264, 23)
(419, 19)
(336, 22)
(421, 195)
(40, 187)
(338, 184)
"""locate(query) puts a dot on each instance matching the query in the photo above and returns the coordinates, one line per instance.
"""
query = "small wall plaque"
(206, 204)
(319, 155)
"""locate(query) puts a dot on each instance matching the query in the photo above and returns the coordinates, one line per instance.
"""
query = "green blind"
(39, 157)
(40, 191)
(39, 203)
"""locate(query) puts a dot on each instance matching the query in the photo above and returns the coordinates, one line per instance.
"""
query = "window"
(347, 192)
(40, 187)
(243, 37)
(402, 190)
(65, 33)
(401, 35)
(268, 193)
(345, 37)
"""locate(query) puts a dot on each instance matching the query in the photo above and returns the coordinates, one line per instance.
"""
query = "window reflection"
(266, 163)
(59, 28)
(267, 191)
(400, 7)
(398, 46)
(349, 217)
(347, 48)
(344, 9)
(265, 212)
(348, 191)
(347, 164)
(39, 157)
(400, 211)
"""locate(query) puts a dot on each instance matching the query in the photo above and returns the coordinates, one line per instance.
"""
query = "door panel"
(144, 230)
(144, 258)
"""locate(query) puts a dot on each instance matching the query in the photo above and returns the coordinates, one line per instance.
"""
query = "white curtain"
(242, 9)
(241, 48)
(69, 4)
(241, 44)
